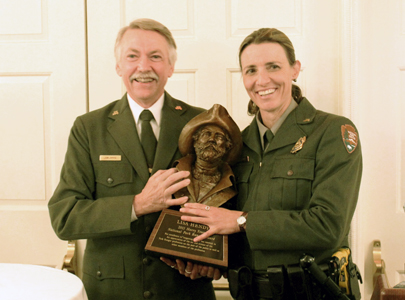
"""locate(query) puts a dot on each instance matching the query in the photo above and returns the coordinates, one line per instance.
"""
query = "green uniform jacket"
(301, 202)
(94, 198)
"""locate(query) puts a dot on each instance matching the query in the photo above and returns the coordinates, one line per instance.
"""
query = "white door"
(208, 34)
(381, 69)
(42, 90)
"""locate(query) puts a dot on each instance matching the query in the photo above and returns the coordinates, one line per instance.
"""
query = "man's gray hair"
(152, 25)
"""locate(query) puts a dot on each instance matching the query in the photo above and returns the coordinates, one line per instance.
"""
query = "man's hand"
(194, 271)
(157, 193)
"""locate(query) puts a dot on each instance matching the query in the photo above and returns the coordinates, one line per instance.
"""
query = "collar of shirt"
(155, 109)
(277, 125)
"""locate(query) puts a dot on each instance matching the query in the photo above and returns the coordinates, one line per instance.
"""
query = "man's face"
(211, 143)
(144, 65)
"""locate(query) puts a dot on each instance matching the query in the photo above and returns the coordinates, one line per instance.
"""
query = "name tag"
(110, 157)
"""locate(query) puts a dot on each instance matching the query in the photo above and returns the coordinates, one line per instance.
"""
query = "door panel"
(42, 90)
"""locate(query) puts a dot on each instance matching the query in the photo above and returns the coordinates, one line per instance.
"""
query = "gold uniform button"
(110, 180)
(290, 172)
(99, 274)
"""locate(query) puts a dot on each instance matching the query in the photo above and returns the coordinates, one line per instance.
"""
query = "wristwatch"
(241, 220)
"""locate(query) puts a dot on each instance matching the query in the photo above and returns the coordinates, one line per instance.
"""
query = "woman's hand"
(219, 220)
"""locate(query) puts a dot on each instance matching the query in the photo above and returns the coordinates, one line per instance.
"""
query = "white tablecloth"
(30, 282)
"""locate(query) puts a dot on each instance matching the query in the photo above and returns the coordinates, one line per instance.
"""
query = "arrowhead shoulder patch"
(349, 137)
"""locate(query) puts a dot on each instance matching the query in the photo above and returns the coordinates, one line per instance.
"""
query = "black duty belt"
(303, 281)
(273, 284)
(280, 282)
(261, 287)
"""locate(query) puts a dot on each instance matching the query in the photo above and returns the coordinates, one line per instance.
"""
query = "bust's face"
(211, 144)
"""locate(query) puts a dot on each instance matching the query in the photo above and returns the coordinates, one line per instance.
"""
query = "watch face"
(241, 220)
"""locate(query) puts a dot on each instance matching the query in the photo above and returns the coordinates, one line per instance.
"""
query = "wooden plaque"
(173, 238)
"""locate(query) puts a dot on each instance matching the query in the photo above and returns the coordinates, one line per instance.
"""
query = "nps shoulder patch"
(349, 137)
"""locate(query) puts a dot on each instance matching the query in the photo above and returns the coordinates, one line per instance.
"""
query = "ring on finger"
(173, 266)
(207, 207)
(187, 272)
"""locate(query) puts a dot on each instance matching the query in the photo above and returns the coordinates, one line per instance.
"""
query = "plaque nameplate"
(173, 238)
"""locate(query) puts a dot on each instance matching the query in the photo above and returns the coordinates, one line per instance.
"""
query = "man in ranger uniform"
(113, 185)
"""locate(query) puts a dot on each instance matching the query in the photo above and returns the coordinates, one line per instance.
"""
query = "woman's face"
(267, 76)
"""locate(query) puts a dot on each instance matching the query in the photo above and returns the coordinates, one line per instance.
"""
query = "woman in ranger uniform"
(298, 179)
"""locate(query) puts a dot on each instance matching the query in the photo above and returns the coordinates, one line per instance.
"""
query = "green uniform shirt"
(94, 198)
(297, 202)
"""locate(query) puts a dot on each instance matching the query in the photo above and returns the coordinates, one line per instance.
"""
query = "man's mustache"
(144, 75)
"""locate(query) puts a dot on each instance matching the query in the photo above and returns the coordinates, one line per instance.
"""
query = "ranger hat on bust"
(216, 115)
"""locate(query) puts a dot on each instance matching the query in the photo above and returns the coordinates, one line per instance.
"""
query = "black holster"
(277, 279)
(328, 279)
(354, 278)
(299, 283)
(240, 283)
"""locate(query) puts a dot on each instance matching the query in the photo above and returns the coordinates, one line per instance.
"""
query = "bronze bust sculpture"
(210, 143)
